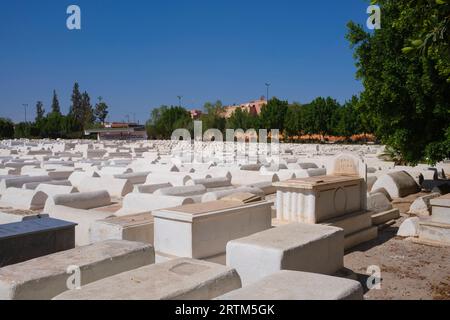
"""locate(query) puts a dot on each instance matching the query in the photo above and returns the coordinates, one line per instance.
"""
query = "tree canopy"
(405, 70)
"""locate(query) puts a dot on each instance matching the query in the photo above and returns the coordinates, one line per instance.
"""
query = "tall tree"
(213, 116)
(40, 112)
(405, 69)
(348, 121)
(55, 103)
(101, 110)
(293, 123)
(241, 119)
(273, 114)
(76, 109)
(87, 117)
(320, 117)
(6, 129)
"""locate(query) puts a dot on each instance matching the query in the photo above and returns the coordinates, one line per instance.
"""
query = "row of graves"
(118, 220)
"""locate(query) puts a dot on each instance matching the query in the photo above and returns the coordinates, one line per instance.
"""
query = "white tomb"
(180, 279)
(295, 285)
(46, 277)
(338, 199)
(201, 231)
(297, 247)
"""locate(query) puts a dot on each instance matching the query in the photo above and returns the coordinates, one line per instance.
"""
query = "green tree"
(23, 130)
(76, 108)
(55, 108)
(213, 116)
(241, 119)
(321, 114)
(6, 129)
(165, 120)
(53, 126)
(273, 114)
(40, 112)
(404, 67)
(87, 115)
(293, 123)
(348, 120)
(101, 110)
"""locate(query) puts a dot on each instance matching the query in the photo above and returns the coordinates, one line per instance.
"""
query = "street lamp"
(267, 85)
(25, 106)
(179, 99)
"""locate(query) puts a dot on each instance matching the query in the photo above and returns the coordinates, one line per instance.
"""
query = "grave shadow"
(384, 236)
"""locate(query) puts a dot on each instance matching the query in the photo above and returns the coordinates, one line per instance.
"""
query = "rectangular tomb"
(45, 277)
(203, 230)
(318, 199)
(294, 285)
(180, 279)
(34, 238)
(132, 228)
(296, 247)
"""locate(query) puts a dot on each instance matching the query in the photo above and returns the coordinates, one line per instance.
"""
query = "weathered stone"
(378, 202)
(46, 277)
(422, 206)
(23, 199)
(298, 247)
(203, 230)
(294, 285)
(84, 200)
(117, 188)
(135, 203)
(398, 184)
(132, 228)
(409, 228)
(180, 279)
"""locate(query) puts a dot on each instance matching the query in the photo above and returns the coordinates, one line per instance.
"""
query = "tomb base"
(294, 285)
(385, 216)
(180, 279)
(434, 232)
(137, 228)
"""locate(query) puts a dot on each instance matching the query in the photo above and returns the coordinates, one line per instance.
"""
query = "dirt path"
(408, 270)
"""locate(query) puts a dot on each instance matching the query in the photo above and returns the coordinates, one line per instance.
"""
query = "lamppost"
(25, 106)
(267, 85)
(179, 100)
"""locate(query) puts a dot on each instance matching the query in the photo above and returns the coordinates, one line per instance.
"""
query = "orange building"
(252, 107)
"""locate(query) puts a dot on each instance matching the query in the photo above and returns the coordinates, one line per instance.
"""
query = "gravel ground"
(408, 270)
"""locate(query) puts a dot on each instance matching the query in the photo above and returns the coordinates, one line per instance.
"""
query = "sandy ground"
(408, 270)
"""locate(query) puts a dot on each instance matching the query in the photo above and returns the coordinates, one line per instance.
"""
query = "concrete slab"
(45, 277)
(295, 285)
(132, 228)
(383, 217)
(180, 279)
(435, 232)
(202, 230)
(297, 247)
(359, 237)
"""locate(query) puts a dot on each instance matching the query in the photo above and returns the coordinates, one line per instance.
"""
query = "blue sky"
(140, 54)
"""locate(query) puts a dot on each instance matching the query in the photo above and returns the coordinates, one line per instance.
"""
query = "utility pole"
(267, 97)
(25, 106)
